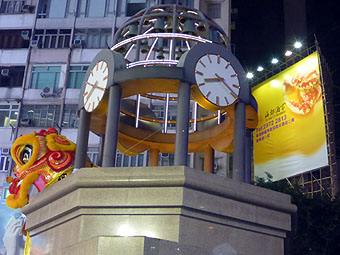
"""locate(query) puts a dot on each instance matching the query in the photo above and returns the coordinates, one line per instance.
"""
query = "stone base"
(93, 208)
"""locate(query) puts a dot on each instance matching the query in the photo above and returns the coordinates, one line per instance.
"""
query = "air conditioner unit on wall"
(77, 43)
(25, 122)
(47, 92)
(5, 72)
(6, 151)
(25, 34)
(35, 43)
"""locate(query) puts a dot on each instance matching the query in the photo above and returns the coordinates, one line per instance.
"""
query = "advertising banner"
(290, 137)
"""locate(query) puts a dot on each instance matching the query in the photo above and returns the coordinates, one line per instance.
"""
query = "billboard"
(290, 137)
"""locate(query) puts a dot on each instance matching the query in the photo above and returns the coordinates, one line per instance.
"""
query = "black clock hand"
(223, 81)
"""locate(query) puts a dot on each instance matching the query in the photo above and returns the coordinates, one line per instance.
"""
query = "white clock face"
(217, 80)
(95, 86)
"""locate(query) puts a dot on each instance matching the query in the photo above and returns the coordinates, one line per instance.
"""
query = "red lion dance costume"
(41, 159)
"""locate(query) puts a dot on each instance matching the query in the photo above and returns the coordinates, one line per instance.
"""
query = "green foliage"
(317, 228)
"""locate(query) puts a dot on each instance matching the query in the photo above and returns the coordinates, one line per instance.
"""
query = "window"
(11, 76)
(134, 6)
(8, 114)
(56, 8)
(12, 7)
(40, 115)
(130, 161)
(189, 3)
(166, 159)
(45, 76)
(53, 38)
(95, 8)
(5, 159)
(94, 38)
(12, 39)
(214, 10)
(76, 76)
(93, 153)
(70, 116)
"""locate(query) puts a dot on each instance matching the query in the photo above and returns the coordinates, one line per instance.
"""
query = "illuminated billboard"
(290, 137)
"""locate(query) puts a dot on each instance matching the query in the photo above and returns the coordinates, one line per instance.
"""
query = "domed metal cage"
(159, 35)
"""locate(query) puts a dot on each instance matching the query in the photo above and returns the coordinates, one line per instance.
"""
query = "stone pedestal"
(130, 210)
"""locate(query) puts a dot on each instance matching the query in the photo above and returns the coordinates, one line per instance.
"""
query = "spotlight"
(288, 53)
(250, 75)
(260, 69)
(275, 61)
(297, 45)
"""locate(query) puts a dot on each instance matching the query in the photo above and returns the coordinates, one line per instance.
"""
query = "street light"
(297, 45)
(260, 69)
(288, 53)
(275, 61)
(250, 75)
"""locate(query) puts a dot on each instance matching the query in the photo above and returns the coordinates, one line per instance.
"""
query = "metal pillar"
(248, 157)
(239, 142)
(182, 124)
(112, 121)
(82, 139)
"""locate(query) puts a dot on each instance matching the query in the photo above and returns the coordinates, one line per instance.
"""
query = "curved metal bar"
(160, 35)
(170, 121)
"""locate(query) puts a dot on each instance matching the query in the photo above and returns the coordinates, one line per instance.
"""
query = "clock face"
(95, 86)
(217, 80)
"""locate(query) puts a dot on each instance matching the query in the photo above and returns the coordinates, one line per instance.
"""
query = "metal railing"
(12, 7)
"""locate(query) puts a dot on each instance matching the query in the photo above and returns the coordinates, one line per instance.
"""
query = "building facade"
(45, 49)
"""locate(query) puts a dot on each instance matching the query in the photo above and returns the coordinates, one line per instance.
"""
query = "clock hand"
(95, 86)
(91, 91)
(212, 79)
(223, 81)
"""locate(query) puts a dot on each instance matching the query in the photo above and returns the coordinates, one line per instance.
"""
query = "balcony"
(12, 7)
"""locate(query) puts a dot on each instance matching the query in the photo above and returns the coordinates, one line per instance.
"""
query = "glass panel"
(40, 68)
(75, 67)
(133, 8)
(119, 160)
(97, 8)
(79, 80)
(82, 8)
(45, 80)
(4, 118)
(54, 68)
(13, 118)
(4, 106)
(56, 82)
(71, 79)
(57, 8)
(71, 7)
(111, 7)
(140, 159)
(126, 160)
(133, 160)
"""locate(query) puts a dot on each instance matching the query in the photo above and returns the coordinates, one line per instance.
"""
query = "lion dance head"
(41, 159)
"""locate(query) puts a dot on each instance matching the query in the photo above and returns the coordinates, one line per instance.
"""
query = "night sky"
(260, 35)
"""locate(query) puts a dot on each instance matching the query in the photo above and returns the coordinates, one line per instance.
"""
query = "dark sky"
(260, 34)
